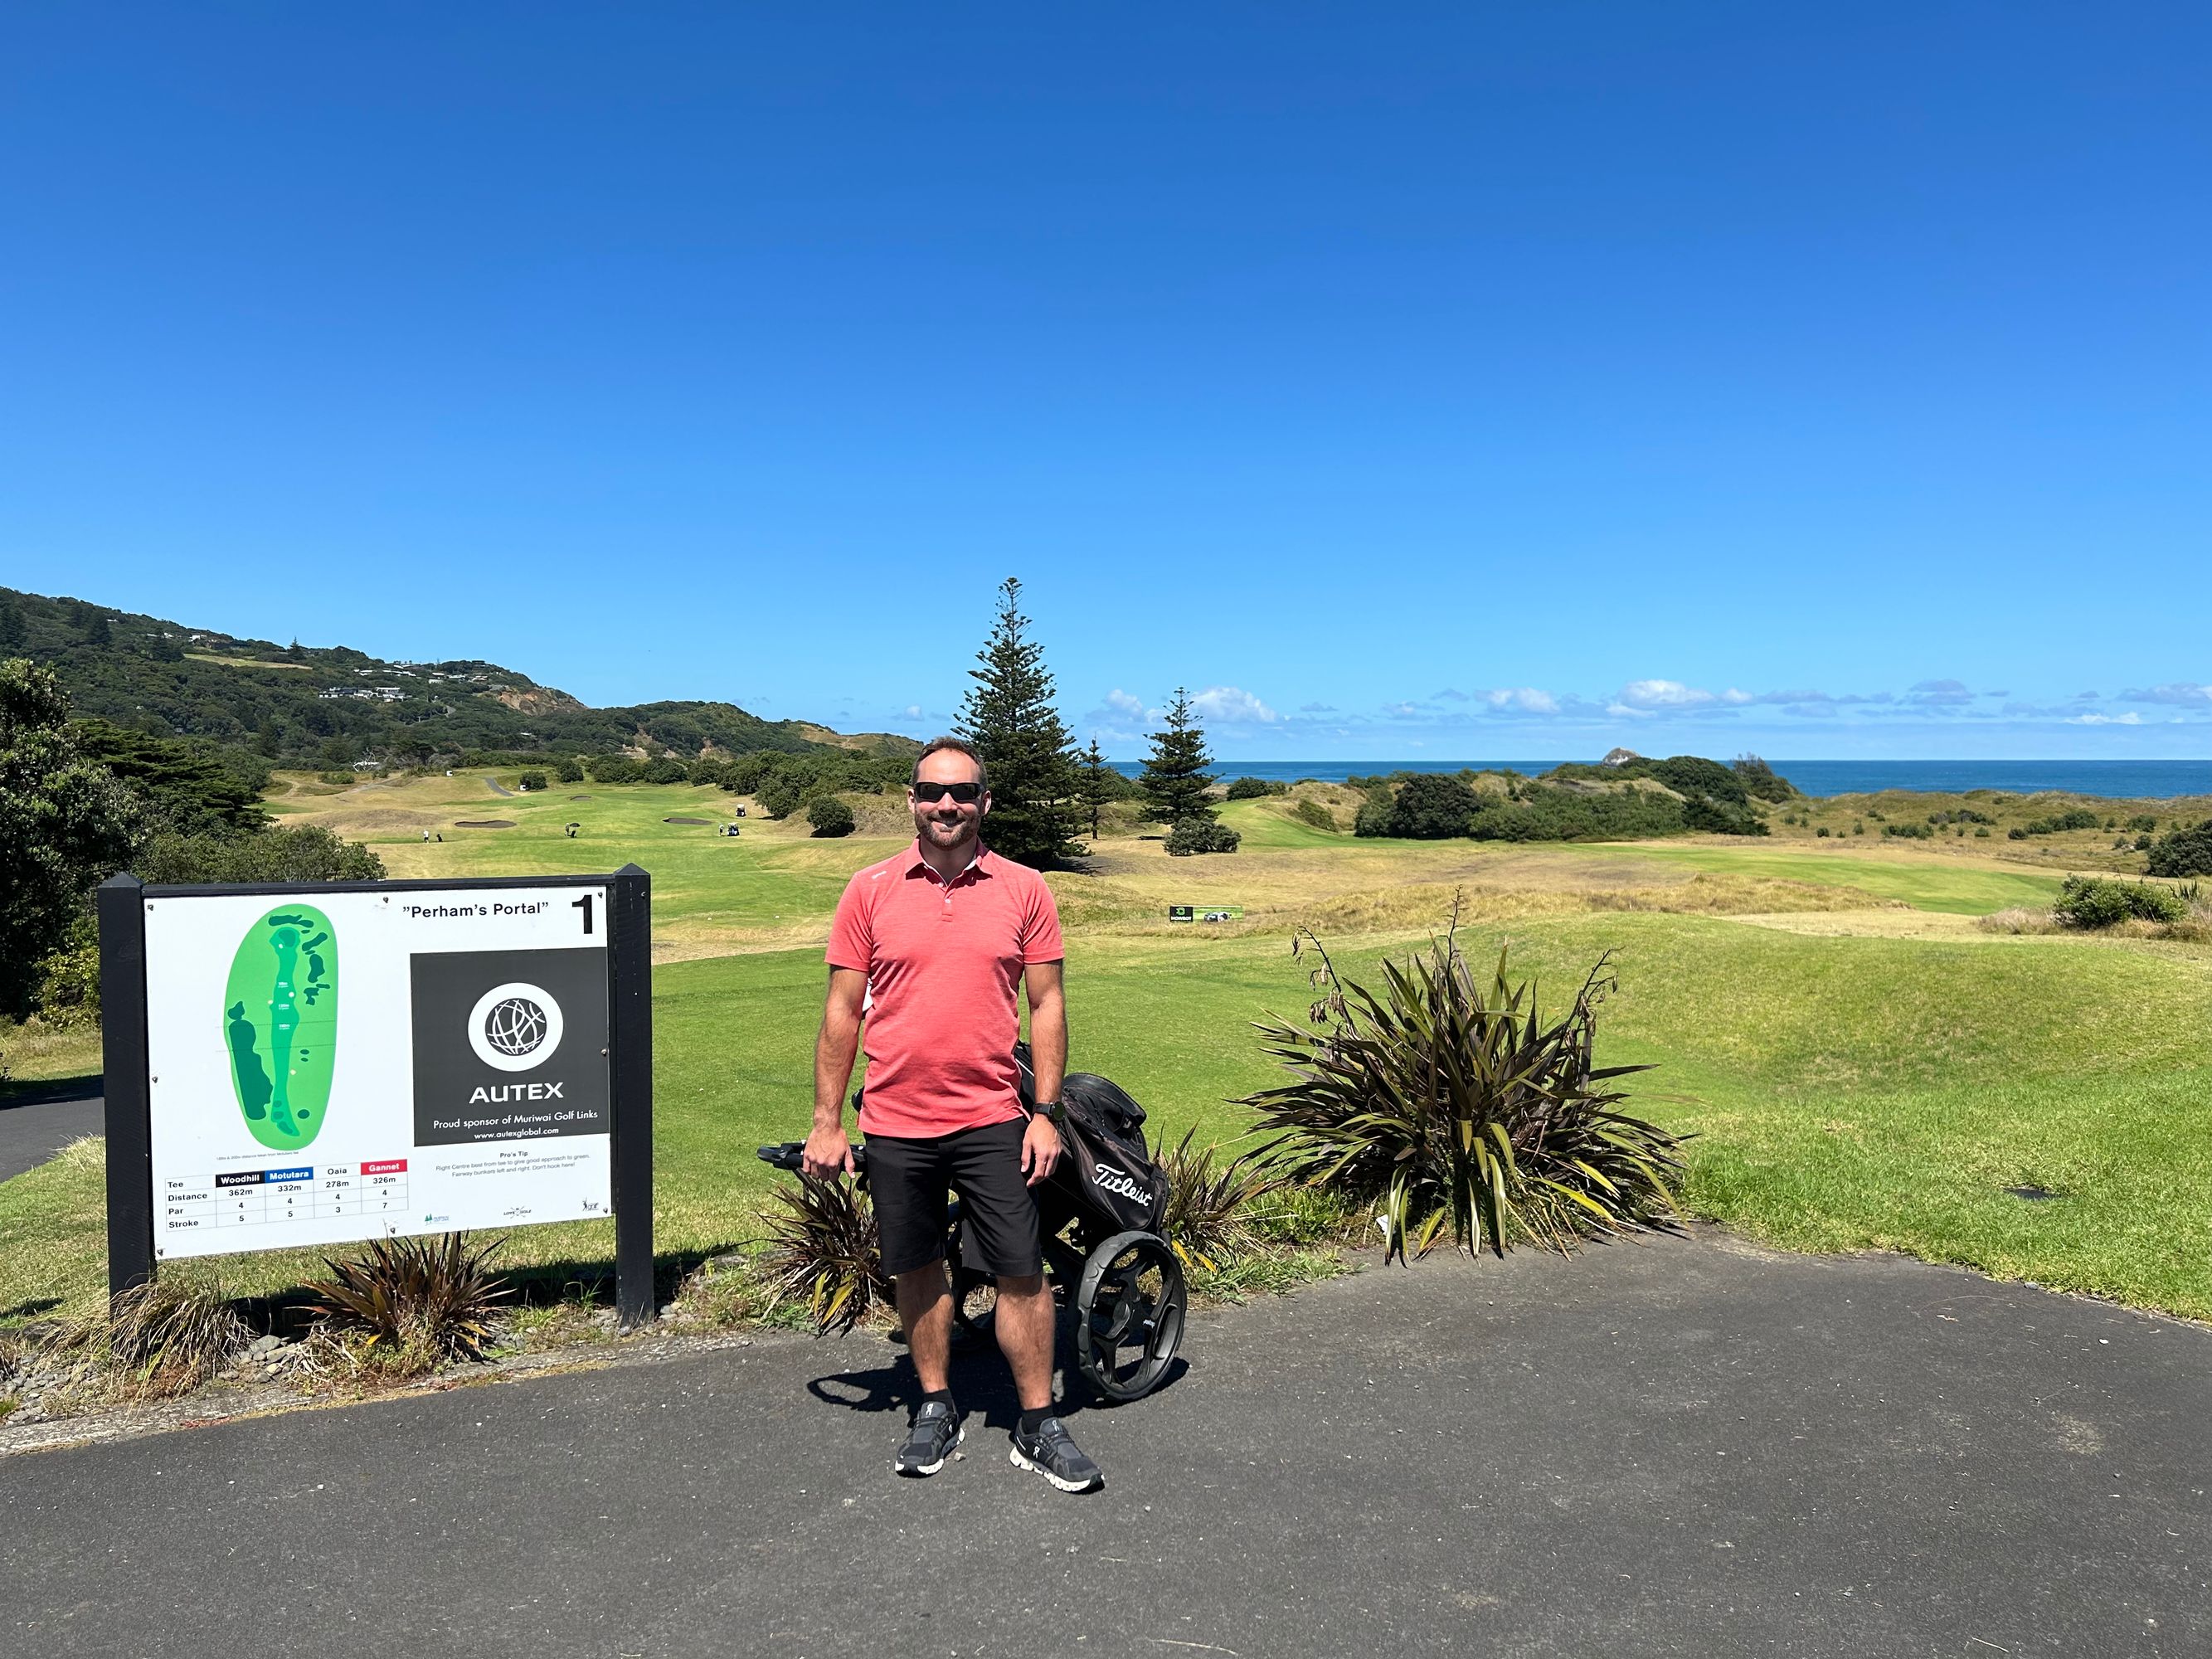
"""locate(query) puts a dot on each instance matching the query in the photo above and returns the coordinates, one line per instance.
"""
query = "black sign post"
(122, 904)
(130, 1093)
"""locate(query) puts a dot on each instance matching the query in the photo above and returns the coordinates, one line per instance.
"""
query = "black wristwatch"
(1052, 1111)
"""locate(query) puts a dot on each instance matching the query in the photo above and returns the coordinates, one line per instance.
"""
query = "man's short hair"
(958, 746)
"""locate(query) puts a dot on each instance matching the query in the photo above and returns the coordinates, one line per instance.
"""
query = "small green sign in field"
(1204, 912)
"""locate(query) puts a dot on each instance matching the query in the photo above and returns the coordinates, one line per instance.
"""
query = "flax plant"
(821, 1248)
(1451, 1103)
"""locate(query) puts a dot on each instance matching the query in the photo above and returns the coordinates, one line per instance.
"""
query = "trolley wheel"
(1128, 1314)
(975, 1295)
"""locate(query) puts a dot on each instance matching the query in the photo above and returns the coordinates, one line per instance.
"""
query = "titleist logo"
(1106, 1176)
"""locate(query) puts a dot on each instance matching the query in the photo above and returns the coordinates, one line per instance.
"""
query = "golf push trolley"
(1101, 1214)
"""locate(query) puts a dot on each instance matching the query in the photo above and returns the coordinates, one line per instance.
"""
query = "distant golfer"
(928, 947)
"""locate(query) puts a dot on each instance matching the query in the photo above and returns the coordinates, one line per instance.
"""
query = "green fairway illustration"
(279, 1021)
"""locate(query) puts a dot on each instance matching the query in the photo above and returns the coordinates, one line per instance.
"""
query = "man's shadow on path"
(981, 1381)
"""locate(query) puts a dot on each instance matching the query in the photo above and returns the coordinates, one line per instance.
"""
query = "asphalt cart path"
(1690, 1448)
(37, 1122)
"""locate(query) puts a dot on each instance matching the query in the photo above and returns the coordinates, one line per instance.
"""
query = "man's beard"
(928, 824)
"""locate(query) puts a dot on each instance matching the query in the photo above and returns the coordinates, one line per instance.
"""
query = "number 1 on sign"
(584, 905)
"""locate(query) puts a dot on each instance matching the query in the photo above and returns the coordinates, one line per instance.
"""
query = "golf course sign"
(311, 1066)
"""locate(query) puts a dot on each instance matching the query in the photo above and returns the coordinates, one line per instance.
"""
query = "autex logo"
(504, 1094)
(515, 1027)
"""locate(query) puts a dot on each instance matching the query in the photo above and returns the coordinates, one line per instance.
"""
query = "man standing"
(928, 947)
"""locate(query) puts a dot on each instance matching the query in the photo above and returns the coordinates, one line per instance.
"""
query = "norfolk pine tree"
(1094, 794)
(1010, 719)
(1176, 779)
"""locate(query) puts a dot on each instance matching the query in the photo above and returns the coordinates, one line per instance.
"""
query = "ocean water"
(2127, 779)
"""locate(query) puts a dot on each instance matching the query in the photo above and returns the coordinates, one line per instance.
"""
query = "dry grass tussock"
(165, 1338)
(1412, 905)
(2017, 919)
(2195, 928)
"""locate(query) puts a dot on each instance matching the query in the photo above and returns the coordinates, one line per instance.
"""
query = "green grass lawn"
(1845, 1092)
(1933, 883)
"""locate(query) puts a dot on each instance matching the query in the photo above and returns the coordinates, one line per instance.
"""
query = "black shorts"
(908, 1179)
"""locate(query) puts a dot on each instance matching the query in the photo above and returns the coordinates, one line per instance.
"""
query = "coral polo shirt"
(943, 960)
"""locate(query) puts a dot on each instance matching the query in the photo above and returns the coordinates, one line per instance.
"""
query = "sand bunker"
(483, 824)
(687, 820)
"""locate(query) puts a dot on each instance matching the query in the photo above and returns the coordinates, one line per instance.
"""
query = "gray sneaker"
(934, 1435)
(1053, 1452)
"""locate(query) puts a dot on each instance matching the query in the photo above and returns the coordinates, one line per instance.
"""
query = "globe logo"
(515, 1027)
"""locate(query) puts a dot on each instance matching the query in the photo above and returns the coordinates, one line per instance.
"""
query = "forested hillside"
(331, 706)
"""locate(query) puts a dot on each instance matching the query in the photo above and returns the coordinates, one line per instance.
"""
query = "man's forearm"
(834, 1053)
(1049, 1044)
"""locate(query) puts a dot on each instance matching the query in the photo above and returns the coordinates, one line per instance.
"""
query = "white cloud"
(2129, 718)
(1647, 697)
(1317, 708)
(1733, 695)
(1122, 703)
(1522, 699)
(1621, 709)
(1228, 705)
(913, 711)
(1449, 695)
(1939, 693)
(1403, 710)
(2178, 692)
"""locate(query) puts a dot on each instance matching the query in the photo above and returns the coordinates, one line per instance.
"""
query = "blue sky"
(1477, 381)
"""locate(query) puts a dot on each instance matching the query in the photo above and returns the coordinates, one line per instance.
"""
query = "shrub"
(821, 1248)
(1822, 832)
(1722, 817)
(1548, 813)
(615, 768)
(1314, 812)
(412, 1304)
(830, 815)
(529, 781)
(782, 794)
(2183, 851)
(1455, 1105)
(1201, 835)
(1253, 788)
(2094, 902)
(68, 979)
(305, 851)
(1373, 817)
(1761, 780)
(666, 770)
(1432, 806)
(570, 770)
(2144, 822)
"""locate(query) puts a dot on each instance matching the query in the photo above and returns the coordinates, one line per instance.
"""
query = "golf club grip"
(788, 1155)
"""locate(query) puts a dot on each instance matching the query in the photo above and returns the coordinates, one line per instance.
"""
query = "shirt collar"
(919, 866)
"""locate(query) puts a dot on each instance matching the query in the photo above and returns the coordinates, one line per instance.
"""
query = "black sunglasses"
(964, 793)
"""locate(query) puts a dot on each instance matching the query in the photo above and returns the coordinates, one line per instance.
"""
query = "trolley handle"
(787, 1155)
